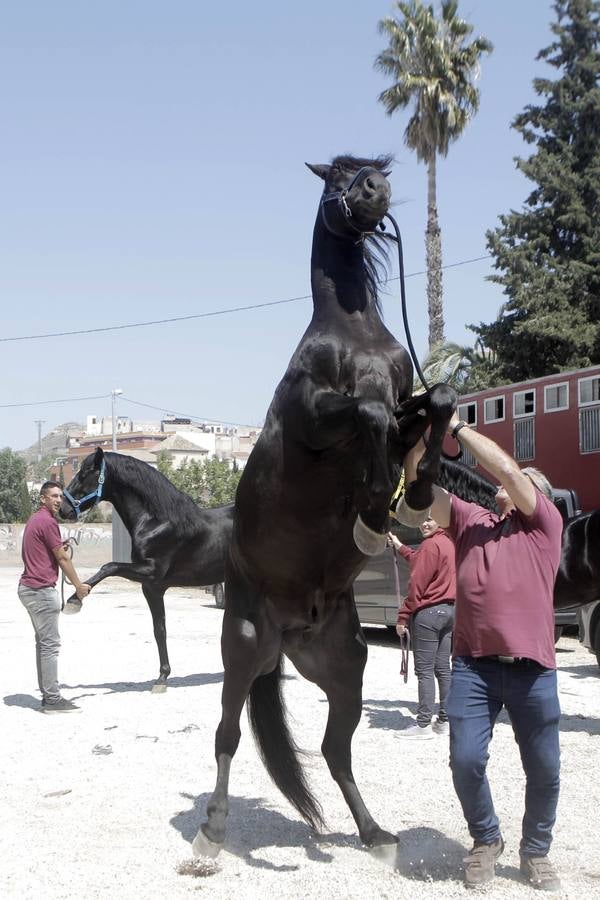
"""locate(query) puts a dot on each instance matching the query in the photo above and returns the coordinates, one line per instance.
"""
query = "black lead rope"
(68, 545)
(403, 298)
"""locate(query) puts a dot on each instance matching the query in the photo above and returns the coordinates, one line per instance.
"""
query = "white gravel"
(106, 803)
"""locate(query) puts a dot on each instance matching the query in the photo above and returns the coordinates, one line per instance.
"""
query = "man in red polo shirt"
(43, 553)
(503, 651)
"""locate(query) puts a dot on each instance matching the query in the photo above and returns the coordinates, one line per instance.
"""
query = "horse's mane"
(161, 498)
(467, 484)
(376, 255)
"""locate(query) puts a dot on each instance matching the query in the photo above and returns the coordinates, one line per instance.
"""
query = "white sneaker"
(423, 733)
(441, 727)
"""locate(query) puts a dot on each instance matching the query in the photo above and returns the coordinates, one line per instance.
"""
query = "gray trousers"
(431, 633)
(43, 606)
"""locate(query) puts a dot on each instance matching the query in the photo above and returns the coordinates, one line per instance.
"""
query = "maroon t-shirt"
(40, 537)
(432, 575)
(505, 571)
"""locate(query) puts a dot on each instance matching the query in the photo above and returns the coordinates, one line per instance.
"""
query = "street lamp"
(116, 392)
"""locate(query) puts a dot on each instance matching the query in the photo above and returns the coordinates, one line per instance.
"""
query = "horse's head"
(356, 195)
(86, 488)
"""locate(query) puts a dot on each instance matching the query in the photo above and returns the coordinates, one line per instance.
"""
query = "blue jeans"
(43, 606)
(431, 633)
(478, 691)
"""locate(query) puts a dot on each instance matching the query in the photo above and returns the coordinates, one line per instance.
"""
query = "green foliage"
(209, 482)
(465, 368)
(14, 497)
(39, 470)
(548, 254)
(433, 68)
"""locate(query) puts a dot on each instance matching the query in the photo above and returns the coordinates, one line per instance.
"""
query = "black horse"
(174, 543)
(313, 499)
(578, 577)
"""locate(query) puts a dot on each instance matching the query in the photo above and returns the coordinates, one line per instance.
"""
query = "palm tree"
(432, 67)
(465, 368)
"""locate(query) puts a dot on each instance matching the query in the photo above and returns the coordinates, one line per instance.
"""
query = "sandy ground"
(106, 803)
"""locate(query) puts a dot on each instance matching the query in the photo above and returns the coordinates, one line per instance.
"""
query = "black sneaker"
(59, 706)
(480, 864)
(539, 872)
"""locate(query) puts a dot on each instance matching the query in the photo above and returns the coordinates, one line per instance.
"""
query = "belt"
(510, 660)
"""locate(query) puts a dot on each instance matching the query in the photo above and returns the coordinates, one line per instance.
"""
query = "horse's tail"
(279, 752)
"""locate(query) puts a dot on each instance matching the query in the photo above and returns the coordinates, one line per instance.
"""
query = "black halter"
(339, 199)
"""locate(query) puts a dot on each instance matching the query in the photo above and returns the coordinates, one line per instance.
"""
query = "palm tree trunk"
(433, 251)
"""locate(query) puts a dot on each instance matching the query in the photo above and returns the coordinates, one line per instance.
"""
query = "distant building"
(552, 423)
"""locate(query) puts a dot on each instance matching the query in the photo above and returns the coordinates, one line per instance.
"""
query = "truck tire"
(219, 596)
(596, 644)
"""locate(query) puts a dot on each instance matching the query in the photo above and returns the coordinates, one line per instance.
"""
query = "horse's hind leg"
(335, 660)
(249, 648)
(154, 595)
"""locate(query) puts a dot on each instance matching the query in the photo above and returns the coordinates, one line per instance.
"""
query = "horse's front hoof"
(411, 517)
(369, 542)
(72, 605)
(203, 847)
(379, 840)
(159, 687)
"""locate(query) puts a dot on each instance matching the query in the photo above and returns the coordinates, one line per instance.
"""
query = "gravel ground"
(107, 803)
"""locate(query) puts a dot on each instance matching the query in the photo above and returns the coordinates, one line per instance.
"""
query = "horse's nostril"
(370, 183)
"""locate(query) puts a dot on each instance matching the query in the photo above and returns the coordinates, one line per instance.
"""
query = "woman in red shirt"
(429, 608)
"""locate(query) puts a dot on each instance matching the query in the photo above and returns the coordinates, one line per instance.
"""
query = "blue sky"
(152, 165)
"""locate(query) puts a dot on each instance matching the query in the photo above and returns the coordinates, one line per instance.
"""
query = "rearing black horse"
(314, 495)
(174, 543)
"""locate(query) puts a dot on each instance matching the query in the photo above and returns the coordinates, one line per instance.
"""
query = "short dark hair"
(49, 484)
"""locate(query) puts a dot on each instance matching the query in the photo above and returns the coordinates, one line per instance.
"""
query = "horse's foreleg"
(131, 571)
(414, 507)
(370, 528)
(155, 598)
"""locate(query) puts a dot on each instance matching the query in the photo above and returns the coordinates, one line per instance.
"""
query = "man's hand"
(82, 591)
(401, 630)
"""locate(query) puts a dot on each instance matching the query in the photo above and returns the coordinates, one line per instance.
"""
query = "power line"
(207, 315)
(47, 402)
(186, 415)
(162, 409)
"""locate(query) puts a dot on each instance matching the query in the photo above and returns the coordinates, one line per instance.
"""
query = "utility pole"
(114, 394)
(39, 423)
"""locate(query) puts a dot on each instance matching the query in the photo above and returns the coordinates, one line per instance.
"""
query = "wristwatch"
(457, 427)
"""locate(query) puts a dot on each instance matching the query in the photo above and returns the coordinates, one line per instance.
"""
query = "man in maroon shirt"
(503, 651)
(43, 552)
(429, 608)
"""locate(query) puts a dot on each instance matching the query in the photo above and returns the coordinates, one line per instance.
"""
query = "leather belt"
(509, 660)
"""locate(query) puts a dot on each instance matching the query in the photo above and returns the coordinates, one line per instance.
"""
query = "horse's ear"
(98, 457)
(322, 171)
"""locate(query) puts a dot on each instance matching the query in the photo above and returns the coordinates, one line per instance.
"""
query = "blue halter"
(95, 495)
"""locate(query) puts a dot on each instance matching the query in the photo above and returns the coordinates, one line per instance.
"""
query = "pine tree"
(549, 253)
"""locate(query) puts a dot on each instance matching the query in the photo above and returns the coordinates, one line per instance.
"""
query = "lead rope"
(68, 545)
(405, 639)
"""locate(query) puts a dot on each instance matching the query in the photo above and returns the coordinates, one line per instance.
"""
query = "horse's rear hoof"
(159, 687)
(379, 839)
(411, 517)
(386, 852)
(369, 542)
(203, 847)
